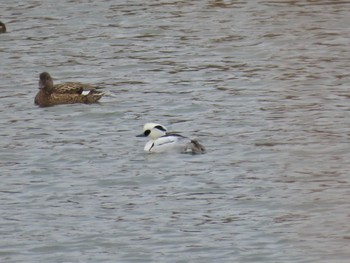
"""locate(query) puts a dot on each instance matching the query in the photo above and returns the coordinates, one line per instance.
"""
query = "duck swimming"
(65, 93)
(161, 141)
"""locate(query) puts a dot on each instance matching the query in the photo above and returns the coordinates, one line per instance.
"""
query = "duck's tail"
(195, 147)
(92, 96)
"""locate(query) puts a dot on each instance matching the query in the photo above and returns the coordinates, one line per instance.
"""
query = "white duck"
(161, 141)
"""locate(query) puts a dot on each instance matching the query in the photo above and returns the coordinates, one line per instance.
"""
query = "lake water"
(264, 85)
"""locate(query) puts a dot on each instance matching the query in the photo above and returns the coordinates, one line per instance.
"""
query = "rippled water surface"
(264, 85)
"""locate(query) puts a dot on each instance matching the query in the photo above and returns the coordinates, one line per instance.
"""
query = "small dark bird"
(65, 93)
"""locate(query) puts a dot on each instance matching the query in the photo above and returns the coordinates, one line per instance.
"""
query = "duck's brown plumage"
(65, 93)
(2, 27)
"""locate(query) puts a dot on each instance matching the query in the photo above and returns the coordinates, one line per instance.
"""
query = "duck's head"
(2, 27)
(45, 82)
(153, 131)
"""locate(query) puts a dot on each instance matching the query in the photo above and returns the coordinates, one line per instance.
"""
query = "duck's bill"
(141, 135)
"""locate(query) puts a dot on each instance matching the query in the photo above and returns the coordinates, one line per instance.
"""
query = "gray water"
(264, 85)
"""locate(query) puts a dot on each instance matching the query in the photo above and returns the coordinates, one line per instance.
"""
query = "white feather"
(166, 144)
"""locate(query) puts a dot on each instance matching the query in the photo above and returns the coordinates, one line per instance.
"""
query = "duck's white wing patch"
(165, 140)
(168, 143)
(85, 92)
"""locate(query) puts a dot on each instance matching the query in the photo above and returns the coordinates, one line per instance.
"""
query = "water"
(262, 84)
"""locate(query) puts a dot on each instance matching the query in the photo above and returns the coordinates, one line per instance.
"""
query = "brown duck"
(65, 93)
(2, 27)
